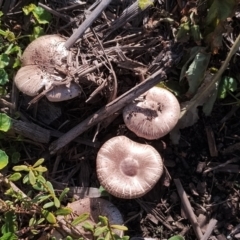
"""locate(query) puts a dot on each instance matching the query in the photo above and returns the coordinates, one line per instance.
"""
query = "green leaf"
(32, 178)
(10, 222)
(227, 84)
(100, 230)
(3, 159)
(63, 194)
(41, 15)
(40, 198)
(119, 227)
(63, 211)
(40, 169)
(4, 60)
(50, 187)
(5, 122)
(143, 4)
(88, 227)
(39, 221)
(196, 71)
(125, 238)
(29, 8)
(108, 236)
(41, 179)
(103, 220)
(56, 202)
(183, 32)
(17, 62)
(177, 237)
(219, 11)
(9, 236)
(80, 219)
(26, 179)
(48, 205)
(15, 177)
(3, 77)
(10, 36)
(49, 216)
(37, 32)
(32, 221)
(38, 162)
(21, 168)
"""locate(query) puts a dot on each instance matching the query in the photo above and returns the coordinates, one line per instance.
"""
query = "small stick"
(188, 209)
(108, 110)
(235, 159)
(211, 142)
(87, 23)
(209, 230)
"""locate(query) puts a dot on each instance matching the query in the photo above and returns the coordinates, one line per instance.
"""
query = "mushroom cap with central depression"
(127, 169)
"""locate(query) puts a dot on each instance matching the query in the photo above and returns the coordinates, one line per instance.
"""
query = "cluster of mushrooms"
(135, 168)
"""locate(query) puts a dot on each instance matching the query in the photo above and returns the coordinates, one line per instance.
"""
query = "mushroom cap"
(30, 80)
(62, 92)
(95, 207)
(45, 50)
(153, 117)
(127, 169)
(39, 61)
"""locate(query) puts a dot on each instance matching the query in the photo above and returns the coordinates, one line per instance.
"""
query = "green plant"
(42, 206)
(103, 230)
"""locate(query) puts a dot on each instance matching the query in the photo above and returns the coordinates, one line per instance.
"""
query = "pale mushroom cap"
(30, 80)
(154, 116)
(44, 51)
(63, 92)
(127, 169)
(40, 63)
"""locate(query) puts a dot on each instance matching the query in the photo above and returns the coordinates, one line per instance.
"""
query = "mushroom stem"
(88, 21)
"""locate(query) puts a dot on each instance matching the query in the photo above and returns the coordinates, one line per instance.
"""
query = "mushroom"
(44, 62)
(95, 207)
(153, 116)
(127, 169)
(44, 51)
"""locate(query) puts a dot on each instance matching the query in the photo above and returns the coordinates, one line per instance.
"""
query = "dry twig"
(188, 209)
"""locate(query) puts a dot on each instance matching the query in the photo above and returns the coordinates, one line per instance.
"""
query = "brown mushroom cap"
(45, 50)
(127, 169)
(155, 116)
(95, 207)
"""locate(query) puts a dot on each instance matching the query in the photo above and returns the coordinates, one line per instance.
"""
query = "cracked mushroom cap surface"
(127, 169)
(154, 116)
